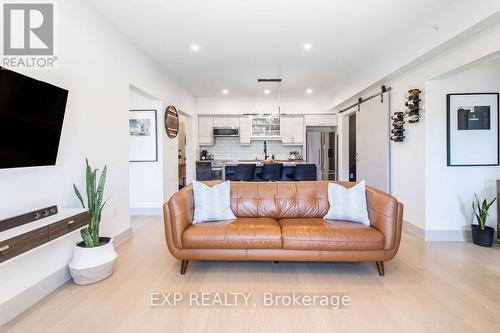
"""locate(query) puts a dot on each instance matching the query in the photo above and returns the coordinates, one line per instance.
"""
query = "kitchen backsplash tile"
(227, 148)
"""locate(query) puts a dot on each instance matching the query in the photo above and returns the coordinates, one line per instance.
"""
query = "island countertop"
(223, 163)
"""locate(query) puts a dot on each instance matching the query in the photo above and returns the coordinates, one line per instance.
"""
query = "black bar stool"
(203, 171)
(272, 171)
(245, 172)
(305, 172)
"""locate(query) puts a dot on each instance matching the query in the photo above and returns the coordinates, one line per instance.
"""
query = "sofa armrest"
(385, 214)
(178, 214)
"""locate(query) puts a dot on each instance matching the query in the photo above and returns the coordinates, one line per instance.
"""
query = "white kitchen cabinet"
(320, 120)
(245, 130)
(287, 130)
(266, 127)
(226, 121)
(298, 130)
(292, 130)
(205, 130)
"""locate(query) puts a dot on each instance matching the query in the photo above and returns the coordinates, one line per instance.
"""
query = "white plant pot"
(93, 264)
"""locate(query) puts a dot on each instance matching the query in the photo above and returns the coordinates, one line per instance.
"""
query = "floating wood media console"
(28, 236)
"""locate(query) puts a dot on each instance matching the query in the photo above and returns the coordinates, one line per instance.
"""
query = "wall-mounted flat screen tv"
(31, 119)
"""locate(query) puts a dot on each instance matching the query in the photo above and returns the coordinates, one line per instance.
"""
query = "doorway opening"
(181, 157)
(352, 147)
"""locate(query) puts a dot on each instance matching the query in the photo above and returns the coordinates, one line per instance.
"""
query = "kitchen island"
(227, 168)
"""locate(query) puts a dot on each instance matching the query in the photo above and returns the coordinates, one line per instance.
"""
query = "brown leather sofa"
(283, 221)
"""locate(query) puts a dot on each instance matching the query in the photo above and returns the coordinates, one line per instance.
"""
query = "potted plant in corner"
(482, 234)
(94, 257)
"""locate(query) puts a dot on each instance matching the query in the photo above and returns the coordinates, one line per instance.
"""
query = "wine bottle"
(413, 118)
(409, 111)
(397, 117)
(397, 138)
(412, 103)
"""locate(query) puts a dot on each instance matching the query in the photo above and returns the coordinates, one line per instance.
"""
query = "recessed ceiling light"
(309, 91)
(307, 46)
(225, 91)
(267, 91)
(195, 47)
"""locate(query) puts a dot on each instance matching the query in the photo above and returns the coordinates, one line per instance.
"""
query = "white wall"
(450, 190)
(408, 159)
(146, 178)
(97, 65)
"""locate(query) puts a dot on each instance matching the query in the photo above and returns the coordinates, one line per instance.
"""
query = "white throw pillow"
(347, 204)
(212, 203)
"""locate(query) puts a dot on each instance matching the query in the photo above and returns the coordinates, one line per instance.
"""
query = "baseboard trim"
(146, 211)
(414, 229)
(448, 235)
(122, 237)
(29, 297)
(437, 235)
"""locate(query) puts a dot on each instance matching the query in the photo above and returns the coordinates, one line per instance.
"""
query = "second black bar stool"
(245, 172)
(305, 172)
(272, 171)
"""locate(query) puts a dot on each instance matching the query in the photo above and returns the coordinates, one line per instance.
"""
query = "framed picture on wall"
(472, 122)
(143, 136)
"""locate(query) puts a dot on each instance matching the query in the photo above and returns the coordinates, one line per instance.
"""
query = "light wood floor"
(428, 287)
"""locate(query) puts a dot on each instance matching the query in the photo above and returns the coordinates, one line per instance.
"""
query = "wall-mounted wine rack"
(412, 113)
(413, 105)
(398, 129)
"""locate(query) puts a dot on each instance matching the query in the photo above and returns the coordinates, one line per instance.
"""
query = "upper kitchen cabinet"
(266, 127)
(245, 130)
(320, 120)
(226, 122)
(292, 130)
(205, 130)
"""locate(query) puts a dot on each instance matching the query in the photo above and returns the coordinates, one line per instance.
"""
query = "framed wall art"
(472, 124)
(143, 136)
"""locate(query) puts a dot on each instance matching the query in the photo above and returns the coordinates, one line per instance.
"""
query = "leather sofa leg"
(380, 267)
(184, 265)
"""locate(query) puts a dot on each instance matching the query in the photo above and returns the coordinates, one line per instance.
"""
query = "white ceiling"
(354, 42)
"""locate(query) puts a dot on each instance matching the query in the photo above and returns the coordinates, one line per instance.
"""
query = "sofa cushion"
(279, 199)
(302, 199)
(241, 233)
(329, 235)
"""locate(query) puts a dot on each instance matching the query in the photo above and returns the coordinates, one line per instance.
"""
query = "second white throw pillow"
(348, 204)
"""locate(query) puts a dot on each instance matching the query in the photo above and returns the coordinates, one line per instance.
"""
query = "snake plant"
(95, 204)
(481, 211)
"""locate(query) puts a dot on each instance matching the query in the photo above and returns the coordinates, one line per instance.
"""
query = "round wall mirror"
(171, 121)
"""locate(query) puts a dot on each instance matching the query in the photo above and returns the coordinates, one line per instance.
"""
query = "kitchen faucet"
(265, 151)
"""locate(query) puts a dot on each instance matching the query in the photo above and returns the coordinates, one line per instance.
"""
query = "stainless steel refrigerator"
(322, 151)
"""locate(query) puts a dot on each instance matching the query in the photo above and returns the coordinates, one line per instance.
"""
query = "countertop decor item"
(94, 258)
(482, 234)
(171, 121)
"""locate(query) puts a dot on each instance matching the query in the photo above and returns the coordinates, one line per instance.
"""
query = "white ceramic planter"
(90, 265)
